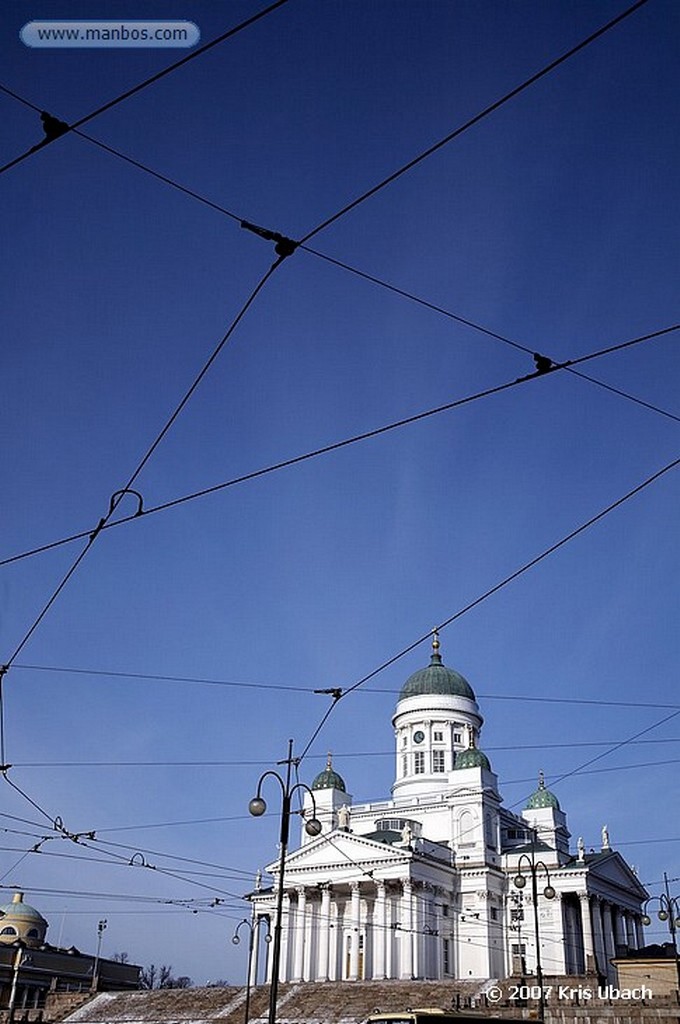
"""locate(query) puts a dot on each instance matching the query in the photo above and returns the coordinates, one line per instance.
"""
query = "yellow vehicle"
(431, 1015)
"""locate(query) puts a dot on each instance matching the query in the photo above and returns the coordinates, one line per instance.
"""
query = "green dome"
(542, 797)
(329, 779)
(436, 679)
(472, 758)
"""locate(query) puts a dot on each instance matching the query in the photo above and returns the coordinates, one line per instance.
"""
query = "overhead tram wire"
(335, 446)
(202, 680)
(340, 754)
(481, 329)
(353, 270)
(339, 693)
(137, 88)
(474, 120)
(119, 494)
(244, 223)
(339, 263)
(115, 500)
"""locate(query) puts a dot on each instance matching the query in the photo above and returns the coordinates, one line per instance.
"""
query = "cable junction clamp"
(284, 246)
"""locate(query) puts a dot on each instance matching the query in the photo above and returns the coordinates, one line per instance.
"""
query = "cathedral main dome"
(436, 678)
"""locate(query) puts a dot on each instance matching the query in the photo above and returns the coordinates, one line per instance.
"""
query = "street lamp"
(257, 807)
(533, 867)
(17, 963)
(669, 910)
(236, 938)
(101, 928)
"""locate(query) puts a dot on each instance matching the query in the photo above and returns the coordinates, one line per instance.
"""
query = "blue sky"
(552, 222)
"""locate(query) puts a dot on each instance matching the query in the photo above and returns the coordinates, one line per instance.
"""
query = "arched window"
(8, 931)
(32, 933)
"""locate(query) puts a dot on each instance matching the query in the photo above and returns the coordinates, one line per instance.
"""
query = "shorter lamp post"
(533, 867)
(257, 807)
(253, 927)
(17, 964)
(101, 928)
(669, 910)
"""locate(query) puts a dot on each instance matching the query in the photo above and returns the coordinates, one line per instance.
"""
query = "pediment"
(339, 853)
(610, 871)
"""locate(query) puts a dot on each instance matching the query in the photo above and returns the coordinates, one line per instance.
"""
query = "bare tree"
(153, 977)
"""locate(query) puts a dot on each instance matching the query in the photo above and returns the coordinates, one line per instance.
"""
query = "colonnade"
(579, 933)
(610, 926)
(395, 929)
(358, 930)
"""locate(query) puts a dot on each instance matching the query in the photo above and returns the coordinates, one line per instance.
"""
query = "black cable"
(369, 277)
(137, 88)
(345, 266)
(25, 796)
(472, 121)
(480, 328)
(119, 494)
(503, 583)
(335, 446)
(156, 677)
(617, 746)
(86, 895)
(339, 754)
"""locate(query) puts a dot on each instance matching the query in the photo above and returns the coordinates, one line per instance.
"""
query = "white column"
(380, 932)
(608, 934)
(324, 932)
(255, 922)
(639, 932)
(355, 931)
(587, 933)
(285, 939)
(436, 941)
(335, 937)
(600, 951)
(406, 938)
(630, 933)
(299, 943)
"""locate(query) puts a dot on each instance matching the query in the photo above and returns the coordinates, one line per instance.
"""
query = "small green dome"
(542, 797)
(329, 779)
(472, 758)
(436, 679)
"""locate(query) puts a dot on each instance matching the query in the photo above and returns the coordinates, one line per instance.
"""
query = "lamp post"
(101, 928)
(236, 938)
(533, 867)
(257, 807)
(17, 963)
(669, 910)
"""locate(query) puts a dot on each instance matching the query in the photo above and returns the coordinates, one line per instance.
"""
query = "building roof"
(436, 678)
(542, 797)
(472, 758)
(20, 911)
(329, 779)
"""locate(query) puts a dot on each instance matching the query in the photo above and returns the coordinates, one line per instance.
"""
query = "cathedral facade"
(423, 885)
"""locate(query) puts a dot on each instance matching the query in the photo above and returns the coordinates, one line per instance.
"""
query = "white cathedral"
(422, 886)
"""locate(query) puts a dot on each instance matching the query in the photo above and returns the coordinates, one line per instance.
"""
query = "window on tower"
(437, 760)
(419, 762)
(439, 737)
(404, 765)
